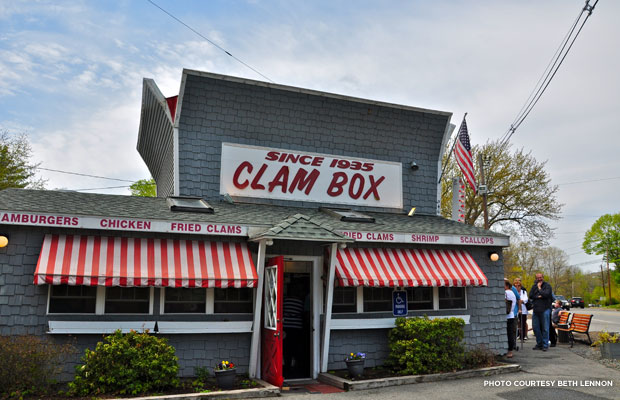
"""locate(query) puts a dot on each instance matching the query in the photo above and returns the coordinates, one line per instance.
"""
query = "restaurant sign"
(261, 172)
(426, 238)
(121, 224)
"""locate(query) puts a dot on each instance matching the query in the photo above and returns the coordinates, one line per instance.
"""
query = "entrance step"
(310, 387)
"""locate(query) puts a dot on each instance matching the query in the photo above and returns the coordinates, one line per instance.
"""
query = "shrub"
(478, 357)
(424, 346)
(29, 364)
(131, 363)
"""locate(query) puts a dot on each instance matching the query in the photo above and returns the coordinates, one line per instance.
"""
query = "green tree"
(603, 238)
(144, 188)
(16, 167)
(521, 197)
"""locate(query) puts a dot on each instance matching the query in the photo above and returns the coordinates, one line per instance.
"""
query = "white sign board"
(426, 238)
(260, 172)
(121, 224)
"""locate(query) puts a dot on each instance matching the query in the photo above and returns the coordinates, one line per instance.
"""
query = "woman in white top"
(522, 319)
(510, 317)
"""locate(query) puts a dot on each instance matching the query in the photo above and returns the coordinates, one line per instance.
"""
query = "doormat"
(311, 388)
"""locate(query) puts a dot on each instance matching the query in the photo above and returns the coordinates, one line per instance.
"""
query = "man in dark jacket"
(540, 295)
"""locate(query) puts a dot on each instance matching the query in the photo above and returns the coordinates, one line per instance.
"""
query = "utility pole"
(603, 280)
(608, 276)
(482, 189)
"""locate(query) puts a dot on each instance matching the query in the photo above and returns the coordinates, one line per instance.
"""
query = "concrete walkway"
(555, 374)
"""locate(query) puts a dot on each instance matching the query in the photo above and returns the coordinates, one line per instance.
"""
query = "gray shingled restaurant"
(269, 196)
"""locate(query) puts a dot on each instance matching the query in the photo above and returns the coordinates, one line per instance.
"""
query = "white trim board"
(98, 327)
(204, 327)
(379, 323)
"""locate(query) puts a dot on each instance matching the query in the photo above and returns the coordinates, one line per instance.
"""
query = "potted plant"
(609, 345)
(355, 364)
(225, 374)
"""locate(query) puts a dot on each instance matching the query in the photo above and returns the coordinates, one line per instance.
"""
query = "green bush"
(131, 363)
(29, 364)
(424, 346)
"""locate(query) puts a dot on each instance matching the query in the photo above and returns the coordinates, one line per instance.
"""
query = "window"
(420, 298)
(344, 300)
(233, 301)
(377, 299)
(451, 297)
(65, 299)
(127, 300)
(189, 204)
(185, 300)
(347, 215)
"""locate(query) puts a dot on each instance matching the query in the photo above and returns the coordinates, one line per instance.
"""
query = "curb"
(348, 385)
(268, 390)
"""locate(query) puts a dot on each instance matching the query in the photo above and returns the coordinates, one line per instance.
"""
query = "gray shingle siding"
(215, 111)
(155, 140)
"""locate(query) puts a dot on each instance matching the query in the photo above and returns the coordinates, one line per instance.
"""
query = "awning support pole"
(328, 307)
(258, 307)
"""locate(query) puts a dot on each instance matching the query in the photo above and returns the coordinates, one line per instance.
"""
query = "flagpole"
(450, 153)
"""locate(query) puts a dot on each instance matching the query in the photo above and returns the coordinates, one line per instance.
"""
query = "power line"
(102, 188)
(90, 176)
(208, 40)
(588, 181)
(549, 73)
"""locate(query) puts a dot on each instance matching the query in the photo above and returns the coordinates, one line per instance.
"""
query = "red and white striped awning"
(116, 261)
(386, 267)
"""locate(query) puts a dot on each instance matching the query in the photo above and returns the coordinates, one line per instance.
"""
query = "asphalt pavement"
(557, 374)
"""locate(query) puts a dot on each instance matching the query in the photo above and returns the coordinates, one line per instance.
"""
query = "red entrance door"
(271, 368)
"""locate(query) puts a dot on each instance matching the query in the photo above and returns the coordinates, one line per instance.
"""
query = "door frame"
(316, 295)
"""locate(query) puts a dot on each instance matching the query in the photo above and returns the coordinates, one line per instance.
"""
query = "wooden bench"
(564, 316)
(580, 323)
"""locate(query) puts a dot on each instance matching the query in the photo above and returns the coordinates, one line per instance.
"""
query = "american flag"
(462, 153)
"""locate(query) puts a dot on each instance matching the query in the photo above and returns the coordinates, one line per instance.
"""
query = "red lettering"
(317, 161)
(300, 181)
(5, 218)
(75, 220)
(43, 219)
(281, 179)
(338, 181)
(373, 187)
(292, 158)
(16, 218)
(305, 160)
(272, 156)
(238, 230)
(255, 185)
(244, 184)
(356, 194)
(67, 221)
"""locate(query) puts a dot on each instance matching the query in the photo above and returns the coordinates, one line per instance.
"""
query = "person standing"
(511, 301)
(523, 315)
(540, 295)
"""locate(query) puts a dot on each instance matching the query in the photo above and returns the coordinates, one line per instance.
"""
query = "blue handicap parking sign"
(399, 303)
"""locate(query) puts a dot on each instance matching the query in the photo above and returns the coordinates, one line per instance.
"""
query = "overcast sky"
(71, 77)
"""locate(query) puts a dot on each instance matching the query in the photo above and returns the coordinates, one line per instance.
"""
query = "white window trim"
(98, 327)
(168, 327)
